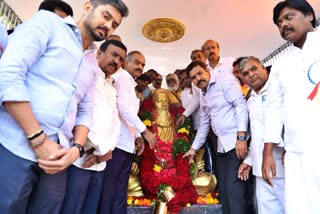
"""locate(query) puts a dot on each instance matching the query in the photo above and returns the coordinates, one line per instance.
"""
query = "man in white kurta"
(292, 91)
(85, 176)
(270, 199)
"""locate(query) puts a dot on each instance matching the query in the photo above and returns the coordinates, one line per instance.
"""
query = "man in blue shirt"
(222, 103)
(47, 79)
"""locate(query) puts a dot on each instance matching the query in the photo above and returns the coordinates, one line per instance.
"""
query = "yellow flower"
(188, 205)
(147, 122)
(183, 130)
(215, 201)
(136, 202)
(157, 168)
(129, 201)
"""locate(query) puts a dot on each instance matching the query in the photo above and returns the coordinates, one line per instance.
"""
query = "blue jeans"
(26, 188)
(83, 191)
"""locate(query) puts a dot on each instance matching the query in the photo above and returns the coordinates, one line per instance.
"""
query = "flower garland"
(164, 166)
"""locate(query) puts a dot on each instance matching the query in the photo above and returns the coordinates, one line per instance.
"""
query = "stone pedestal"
(194, 209)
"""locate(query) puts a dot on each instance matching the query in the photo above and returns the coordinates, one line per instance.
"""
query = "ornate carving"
(164, 30)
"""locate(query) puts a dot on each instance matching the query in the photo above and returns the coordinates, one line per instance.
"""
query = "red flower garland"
(175, 172)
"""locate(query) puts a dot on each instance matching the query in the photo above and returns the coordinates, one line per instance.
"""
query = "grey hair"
(246, 59)
(119, 4)
(130, 54)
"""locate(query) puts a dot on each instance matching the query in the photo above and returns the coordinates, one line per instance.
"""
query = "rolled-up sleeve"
(234, 95)
(85, 107)
(23, 50)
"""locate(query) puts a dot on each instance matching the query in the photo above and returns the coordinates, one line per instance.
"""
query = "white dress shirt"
(105, 130)
(186, 99)
(289, 88)
(256, 107)
(224, 66)
(128, 107)
(223, 105)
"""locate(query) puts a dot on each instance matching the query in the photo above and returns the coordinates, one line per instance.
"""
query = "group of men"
(62, 152)
(55, 87)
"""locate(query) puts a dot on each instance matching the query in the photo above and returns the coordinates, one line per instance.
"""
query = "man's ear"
(310, 16)
(99, 52)
(87, 6)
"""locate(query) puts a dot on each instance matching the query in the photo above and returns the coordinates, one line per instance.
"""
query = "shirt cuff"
(15, 94)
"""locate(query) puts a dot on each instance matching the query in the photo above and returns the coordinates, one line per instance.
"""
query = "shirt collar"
(263, 89)
(221, 61)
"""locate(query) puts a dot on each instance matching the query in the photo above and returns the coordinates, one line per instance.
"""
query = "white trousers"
(302, 186)
(270, 200)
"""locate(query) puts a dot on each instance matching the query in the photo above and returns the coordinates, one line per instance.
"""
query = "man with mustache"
(48, 76)
(216, 63)
(173, 84)
(197, 55)
(269, 199)
(116, 177)
(293, 79)
(83, 195)
(223, 107)
(157, 82)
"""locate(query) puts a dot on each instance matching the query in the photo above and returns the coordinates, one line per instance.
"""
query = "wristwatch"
(80, 147)
(242, 138)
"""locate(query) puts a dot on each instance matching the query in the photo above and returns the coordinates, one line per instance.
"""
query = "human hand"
(243, 171)
(268, 164)
(180, 120)
(47, 148)
(149, 136)
(60, 160)
(140, 144)
(241, 149)
(190, 154)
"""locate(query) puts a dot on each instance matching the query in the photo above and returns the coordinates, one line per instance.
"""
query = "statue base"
(194, 209)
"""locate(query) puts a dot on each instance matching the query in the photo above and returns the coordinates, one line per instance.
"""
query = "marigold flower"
(157, 168)
(215, 201)
(183, 130)
(129, 201)
(147, 122)
(136, 202)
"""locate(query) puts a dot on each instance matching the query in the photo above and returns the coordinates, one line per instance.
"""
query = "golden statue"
(165, 127)
(161, 122)
(204, 182)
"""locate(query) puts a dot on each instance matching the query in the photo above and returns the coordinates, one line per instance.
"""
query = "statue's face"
(161, 101)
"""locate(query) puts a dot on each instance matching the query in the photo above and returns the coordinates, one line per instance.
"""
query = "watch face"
(241, 138)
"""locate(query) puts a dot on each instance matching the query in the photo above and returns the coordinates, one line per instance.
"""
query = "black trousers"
(115, 183)
(233, 191)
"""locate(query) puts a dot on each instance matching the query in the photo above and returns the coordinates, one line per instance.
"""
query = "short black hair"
(300, 5)
(52, 5)
(144, 77)
(103, 47)
(195, 64)
(118, 4)
(151, 71)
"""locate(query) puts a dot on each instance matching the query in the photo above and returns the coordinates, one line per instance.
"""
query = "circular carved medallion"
(164, 30)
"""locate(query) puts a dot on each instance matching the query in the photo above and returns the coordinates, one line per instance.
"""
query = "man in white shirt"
(116, 177)
(292, 102)
(223, 108)
(270, 199)
(216, 63)
(86, 174)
